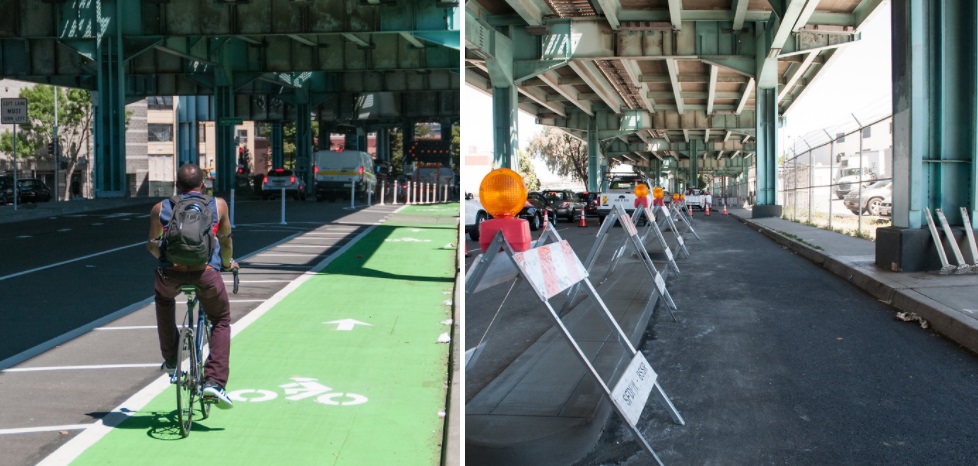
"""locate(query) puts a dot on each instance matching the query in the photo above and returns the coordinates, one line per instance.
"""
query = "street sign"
(229, 121)
(13, 111)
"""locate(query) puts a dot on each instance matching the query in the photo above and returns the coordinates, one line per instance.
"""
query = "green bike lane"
(342, 368)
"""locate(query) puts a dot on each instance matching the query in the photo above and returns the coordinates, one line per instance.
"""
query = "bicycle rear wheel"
(205, 341)
(187, 381)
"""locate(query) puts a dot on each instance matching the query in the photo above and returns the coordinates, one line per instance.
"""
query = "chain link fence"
(840, 177)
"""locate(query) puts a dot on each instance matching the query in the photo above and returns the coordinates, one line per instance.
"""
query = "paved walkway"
(772, 360)
(949, 303)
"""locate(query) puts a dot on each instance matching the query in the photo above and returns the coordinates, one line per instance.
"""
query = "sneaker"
(168, 366)
(215, 392)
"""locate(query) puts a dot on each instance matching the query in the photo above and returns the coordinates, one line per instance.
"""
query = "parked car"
(475, 214)
(850, 179)
(886, 209)
(279, 179)
(590, 203)
(564, 202)
(533, 210)
(873, 197)
(28, 190)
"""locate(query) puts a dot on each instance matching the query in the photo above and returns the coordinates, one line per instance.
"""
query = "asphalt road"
(60, 273)
(774, 361)
(77, 308)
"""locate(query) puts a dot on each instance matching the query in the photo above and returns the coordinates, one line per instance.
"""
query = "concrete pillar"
(303, 139)
(226, 152)
(189, 111)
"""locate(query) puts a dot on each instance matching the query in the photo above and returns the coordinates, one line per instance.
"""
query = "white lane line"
(80, 368)
(64, 230)
(247, 301)
(5, 277)
(131, 327)
(31, 430)
(301, 246)
(93, 433)
(290, 254)
(71, 335)
(281, 280)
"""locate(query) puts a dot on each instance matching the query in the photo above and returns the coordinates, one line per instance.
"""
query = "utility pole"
(55, 144)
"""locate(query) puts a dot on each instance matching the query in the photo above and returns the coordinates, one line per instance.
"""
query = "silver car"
(872, 198)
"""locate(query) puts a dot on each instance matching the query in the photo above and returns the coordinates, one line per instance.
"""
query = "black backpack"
(189, 237)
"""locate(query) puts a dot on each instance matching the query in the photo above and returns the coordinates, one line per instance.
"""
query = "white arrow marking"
(346, 325)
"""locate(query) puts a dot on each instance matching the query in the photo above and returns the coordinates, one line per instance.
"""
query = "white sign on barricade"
(653, 227)
(552, 268)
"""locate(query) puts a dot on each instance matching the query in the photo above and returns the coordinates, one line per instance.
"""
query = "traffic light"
(51, 148)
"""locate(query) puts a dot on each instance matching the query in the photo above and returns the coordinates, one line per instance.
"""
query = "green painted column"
(594, 174)
(303, 138)
(767, 153)
(277, 144)
(505, 127)
(226, 153)
(693, 158)
(110, 119)
(935, 127)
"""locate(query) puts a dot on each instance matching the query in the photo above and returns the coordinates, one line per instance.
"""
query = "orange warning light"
(657, 192)
(641, 190)
(675, 196)
(502, 193)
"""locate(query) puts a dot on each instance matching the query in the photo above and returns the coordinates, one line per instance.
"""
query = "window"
(159, 132)
(867, 132)
(159, 102)
(840, 137)
(242, 137)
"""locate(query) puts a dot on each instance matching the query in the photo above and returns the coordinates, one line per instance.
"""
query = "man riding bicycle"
(206, 278)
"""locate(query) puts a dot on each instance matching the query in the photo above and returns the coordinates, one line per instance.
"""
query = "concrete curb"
(945, 320)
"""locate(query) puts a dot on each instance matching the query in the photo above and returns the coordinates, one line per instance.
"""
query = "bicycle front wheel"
(187, 381)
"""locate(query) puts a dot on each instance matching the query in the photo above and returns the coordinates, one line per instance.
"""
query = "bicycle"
(191, 344)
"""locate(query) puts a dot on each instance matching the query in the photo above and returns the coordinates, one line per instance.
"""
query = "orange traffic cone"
(466, 249)
(724, 209)
(690, 210)
(707, 209)
(583, 219)
(545, 219)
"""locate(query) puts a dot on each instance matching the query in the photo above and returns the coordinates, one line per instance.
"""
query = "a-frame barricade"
(652, 227)
(551, 269)
(680, 212)
(619, 215)
(667, 220)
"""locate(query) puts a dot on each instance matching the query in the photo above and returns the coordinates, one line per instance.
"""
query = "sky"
(856, 80)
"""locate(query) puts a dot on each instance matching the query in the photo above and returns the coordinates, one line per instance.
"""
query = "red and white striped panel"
(551, 269)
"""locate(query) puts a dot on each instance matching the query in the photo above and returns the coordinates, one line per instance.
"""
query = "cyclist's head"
(189, 178)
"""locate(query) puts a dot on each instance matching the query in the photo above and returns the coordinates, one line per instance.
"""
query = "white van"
(337, 171)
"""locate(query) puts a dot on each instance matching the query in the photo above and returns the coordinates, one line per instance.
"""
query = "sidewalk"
(49, 209)
(770, 361)
(949, 303)
(346, 365)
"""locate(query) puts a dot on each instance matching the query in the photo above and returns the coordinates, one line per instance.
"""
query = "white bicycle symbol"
(301, 388)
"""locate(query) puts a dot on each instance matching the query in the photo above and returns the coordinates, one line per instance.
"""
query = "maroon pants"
(214, 302)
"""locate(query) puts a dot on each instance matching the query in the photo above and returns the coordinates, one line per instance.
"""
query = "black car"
(565, 202)
(590, 203)
(534, 208)
(29, 190)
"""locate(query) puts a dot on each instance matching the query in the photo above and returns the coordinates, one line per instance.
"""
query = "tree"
(528, 173)
(74, 126)
(564, 155)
